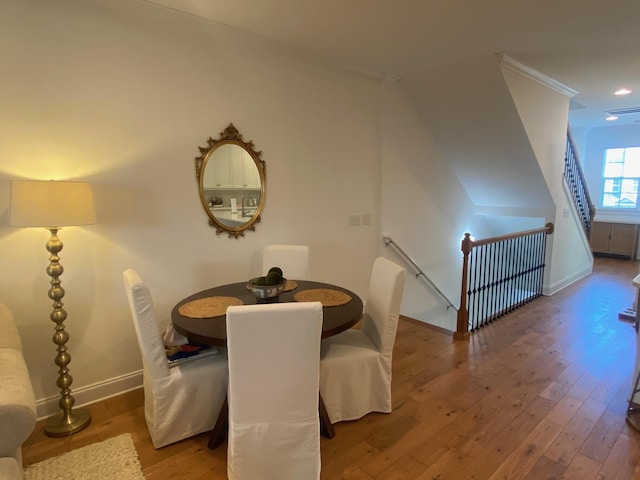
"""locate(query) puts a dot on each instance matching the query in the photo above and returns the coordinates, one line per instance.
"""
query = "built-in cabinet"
(232, 168)
(614, 238)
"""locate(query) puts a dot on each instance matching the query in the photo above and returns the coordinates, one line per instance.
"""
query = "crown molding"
(515, 66)
(152, 10)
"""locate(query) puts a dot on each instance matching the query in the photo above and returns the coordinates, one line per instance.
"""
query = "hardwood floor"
(538, 394)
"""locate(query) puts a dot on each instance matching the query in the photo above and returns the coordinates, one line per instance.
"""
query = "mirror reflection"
(231, 180)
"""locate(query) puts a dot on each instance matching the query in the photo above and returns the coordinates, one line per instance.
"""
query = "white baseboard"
(565, 282)
(45, 407)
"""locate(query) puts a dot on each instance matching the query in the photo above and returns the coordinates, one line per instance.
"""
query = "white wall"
(425, 210)
(544, 115)
(122, 96)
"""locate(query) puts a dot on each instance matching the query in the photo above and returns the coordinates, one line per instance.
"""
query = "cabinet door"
(236, 168)
(250, 175)
(599, 236)
(623, 239)
(209, 176)
(222, 167)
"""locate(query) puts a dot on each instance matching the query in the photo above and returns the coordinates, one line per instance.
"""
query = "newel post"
(462, 328)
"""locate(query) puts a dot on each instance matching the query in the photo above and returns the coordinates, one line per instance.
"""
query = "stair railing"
(499, 274)
(420, 274)
(577, 184)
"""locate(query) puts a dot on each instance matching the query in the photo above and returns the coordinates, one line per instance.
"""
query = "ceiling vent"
(624, 111)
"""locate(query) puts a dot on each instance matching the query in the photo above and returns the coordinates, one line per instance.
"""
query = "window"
(621, 177)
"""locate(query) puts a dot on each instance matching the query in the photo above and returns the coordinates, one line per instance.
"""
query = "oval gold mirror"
(231, 182)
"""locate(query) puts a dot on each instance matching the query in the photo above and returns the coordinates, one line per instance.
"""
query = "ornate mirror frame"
(214, 196)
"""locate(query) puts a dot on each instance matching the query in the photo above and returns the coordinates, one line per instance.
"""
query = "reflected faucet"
(252, 203)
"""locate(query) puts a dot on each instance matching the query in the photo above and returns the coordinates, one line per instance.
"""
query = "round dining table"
(211, 330)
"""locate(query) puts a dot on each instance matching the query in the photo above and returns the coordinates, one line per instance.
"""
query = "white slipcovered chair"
(292, 259)
(355, 365)
(180, 400)
(274, 354)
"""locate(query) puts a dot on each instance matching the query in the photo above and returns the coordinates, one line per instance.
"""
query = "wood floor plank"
(564, 410)
(573, 435)
(581, 468)
(622, 462)
(555, 391)
(447, 466)
(406, 468)
(603, 436)
(539, 394)
(546, 469)
(528, 452)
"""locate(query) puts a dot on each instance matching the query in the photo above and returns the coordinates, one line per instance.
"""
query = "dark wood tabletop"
(213, 330)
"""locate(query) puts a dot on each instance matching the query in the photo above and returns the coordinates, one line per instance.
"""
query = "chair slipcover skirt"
(355, 366)
(180, 401)
(274, 429)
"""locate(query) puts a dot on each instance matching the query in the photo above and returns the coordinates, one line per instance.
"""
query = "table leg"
(326, 429)
(221, 428)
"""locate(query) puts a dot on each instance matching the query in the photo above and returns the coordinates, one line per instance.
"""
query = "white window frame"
(623, 181)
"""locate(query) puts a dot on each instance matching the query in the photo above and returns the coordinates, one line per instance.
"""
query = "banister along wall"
(499, 274)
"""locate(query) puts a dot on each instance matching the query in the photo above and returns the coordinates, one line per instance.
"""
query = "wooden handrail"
(467, 245)
(548, 229)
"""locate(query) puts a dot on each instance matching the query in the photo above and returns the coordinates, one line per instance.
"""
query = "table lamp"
(52, 205)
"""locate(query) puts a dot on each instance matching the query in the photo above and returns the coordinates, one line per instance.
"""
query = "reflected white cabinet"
(244, 171)
(250, 175)
(232, 168)
(614, 238)
(222, 168)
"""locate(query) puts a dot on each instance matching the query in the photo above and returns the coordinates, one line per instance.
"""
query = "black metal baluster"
(482, 255)
(526, 280)
(472, 302)
(501, 299)
(492, 302)
(512, 273)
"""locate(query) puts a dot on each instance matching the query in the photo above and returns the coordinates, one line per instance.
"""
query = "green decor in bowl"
(268, 288)
(265, 293)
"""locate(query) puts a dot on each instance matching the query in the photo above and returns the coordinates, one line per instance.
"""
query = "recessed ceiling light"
(611, 118)
(622, 91)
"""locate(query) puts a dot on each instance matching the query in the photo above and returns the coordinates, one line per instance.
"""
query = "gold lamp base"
(62, 425)
(47, 204)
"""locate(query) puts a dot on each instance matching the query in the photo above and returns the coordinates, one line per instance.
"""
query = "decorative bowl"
(266, 293)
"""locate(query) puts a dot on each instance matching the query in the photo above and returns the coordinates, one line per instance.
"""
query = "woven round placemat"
(327, 296)
(208, 307)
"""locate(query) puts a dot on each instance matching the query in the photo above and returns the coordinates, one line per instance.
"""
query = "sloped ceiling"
(470, 113)
(588, 46)
(444, 55)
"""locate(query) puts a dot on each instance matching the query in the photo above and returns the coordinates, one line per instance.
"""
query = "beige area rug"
(115, 458)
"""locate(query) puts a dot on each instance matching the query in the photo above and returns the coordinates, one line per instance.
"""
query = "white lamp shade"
(51, 204)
